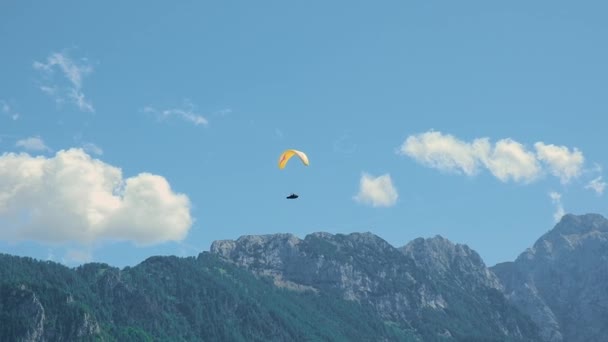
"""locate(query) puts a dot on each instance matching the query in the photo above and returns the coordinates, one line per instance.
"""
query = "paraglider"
(286, 156)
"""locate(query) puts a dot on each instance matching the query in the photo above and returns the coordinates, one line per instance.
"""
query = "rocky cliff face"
(25, 303)
(426, 281)
(443, 259)
(562, 281)
(356, 266)
(22, 311)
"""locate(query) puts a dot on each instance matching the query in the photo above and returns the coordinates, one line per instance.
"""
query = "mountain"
(444, 260)
(323, 287)
(171, 299)
(439, 290)
(562, 281)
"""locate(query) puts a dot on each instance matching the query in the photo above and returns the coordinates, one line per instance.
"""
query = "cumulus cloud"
(596, 185)
(376, 191)
(561, 162)
(32, 144)
(510, 160)
(8, 111)
(443, 152)
(556, 198)
(507, 159)
(187, 112)
(70, 88)
(72, 197)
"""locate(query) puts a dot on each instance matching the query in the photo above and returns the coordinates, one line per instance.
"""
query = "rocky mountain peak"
(366, 238)
(253, 241)
(360, 242)
(559, 281)
(275, 250)
(570, 233)
(577, 226)
(439, 246)
(581, 224)
(353, 265)
(441, 257)
(425, 277)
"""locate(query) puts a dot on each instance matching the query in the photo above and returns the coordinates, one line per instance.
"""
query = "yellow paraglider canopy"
(285, 156)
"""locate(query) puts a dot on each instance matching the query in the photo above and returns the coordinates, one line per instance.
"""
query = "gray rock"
(561, 281)
(442, 259)
(411, 285)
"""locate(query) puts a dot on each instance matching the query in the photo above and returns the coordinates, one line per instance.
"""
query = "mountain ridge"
(324, 287)
(559, 281)
(398, 282)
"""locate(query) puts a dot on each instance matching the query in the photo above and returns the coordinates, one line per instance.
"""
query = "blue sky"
(136, 129)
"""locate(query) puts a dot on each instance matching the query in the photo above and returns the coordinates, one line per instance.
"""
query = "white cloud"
(556, 198)
(596, 185)
(73, 73)
(443, 152)
(561, 162)
(7, 110)
(376, 191)
(507, 159)
(510, 160)
(187, 113)
(32, 144)
(79, 99)
(73, 197)
(92, 149)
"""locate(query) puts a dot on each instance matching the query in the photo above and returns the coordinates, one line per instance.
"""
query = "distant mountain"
(439, 290)
(455, 263)
(171, 299)
(562, 281)
(343, 287)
